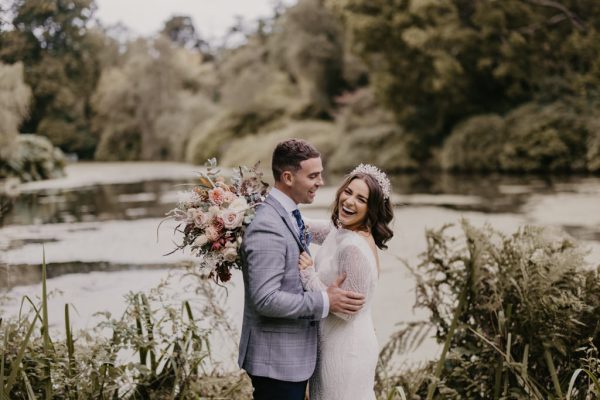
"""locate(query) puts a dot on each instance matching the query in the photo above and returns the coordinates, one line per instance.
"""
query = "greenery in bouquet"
(214, 214)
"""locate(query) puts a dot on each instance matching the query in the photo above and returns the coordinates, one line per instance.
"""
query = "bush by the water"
(593, 146)
(475, 144)
(26, 157)
(31, 158)
(518, 316)
(556, 137)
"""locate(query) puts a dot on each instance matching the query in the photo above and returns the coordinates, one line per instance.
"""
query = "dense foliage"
(27, 157)
(32, 158)
(60, 54)
(406, 84)
(436, 63)
(518, 316)
(534, 137)
(139, 116)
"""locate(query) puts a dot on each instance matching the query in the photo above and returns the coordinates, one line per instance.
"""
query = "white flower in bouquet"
(230, 253)
(201, 240)
(187, 199)
(213, 211)
(190, 215)
(239, 204)
(200, 218)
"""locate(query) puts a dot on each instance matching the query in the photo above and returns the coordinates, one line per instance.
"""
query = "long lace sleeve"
(319, 229)
(353, 261)
(311, 281)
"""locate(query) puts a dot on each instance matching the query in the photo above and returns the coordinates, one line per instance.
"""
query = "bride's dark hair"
(379, 209)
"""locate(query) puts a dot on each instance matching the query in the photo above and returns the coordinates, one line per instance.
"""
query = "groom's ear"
(287, 178)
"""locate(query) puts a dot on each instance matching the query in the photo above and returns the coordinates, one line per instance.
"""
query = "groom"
(278, 346)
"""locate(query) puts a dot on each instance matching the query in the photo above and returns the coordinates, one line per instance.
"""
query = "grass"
(171, 354)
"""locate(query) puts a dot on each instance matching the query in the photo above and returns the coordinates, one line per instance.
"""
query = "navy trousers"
(272, 389)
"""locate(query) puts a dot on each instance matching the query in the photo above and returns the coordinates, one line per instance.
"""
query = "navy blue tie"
(300, 222)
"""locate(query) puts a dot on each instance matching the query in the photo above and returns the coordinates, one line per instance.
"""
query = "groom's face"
(305, 182)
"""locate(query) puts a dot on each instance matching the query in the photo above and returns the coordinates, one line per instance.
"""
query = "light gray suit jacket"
(279, 331)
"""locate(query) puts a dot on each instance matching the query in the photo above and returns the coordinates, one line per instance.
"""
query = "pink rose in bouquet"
(216, 195)
(232, 219)
(212, 233)
(229, 197)
(200, 218)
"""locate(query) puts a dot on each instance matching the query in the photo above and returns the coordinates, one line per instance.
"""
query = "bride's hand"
(305, 261)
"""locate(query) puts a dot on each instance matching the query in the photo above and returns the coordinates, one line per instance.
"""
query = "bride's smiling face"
(352, 204)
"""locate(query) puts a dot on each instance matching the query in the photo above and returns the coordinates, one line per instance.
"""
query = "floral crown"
(380, 177)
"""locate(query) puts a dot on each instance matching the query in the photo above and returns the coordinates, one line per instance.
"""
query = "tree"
(308, 43)
(180, 30)
(435, 63)
(52, 40)
(146, 107)
(15, 96)
(28, 157)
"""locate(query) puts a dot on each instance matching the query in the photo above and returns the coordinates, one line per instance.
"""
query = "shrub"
(517, 315)
(545, 138)
(474, 145)
(308, 43)
(33, 158)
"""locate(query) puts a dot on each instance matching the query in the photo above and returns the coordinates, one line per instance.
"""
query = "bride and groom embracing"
(311, 320)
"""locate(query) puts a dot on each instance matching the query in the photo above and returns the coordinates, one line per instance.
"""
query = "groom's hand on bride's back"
(343, 301)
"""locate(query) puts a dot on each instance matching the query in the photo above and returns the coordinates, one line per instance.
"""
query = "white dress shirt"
(290, 205)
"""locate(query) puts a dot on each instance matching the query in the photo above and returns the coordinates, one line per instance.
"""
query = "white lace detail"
(348, 347)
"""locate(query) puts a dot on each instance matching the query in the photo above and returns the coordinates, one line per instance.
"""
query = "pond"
(99, 228)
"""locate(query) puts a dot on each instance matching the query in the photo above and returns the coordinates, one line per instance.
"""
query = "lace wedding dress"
(348, 347)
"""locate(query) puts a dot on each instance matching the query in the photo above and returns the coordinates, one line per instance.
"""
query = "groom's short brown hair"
(288, 155)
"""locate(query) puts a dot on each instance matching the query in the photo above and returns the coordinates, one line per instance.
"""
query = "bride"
(348, 348)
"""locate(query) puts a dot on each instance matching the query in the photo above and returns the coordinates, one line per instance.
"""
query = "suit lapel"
(286, 219)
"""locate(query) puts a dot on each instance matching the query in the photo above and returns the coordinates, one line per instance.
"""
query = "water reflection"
(498, 193)
(95, 203)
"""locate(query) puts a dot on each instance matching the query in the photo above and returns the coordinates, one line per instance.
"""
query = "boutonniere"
(307, 235)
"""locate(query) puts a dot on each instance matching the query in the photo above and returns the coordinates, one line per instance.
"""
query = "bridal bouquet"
(214, 214)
